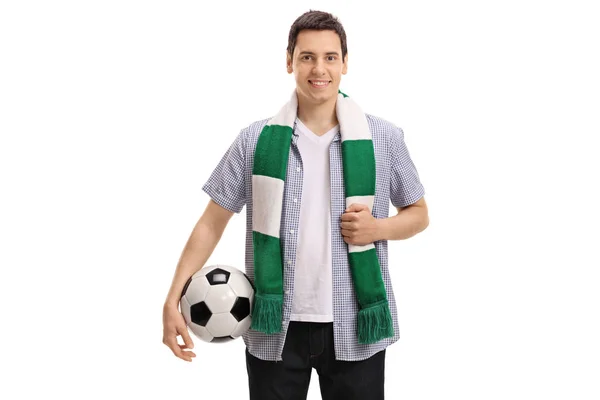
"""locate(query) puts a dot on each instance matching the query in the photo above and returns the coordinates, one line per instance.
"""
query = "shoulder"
(253, 130)
(383, 129)
(248, 136)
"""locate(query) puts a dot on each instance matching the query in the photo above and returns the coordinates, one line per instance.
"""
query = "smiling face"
(317, 65)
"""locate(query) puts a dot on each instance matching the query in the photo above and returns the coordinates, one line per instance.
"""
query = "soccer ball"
(216, 303)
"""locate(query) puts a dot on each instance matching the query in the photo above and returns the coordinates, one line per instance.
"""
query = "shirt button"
(295, 200)
(291, 231)
(290, 262)
(298, 169)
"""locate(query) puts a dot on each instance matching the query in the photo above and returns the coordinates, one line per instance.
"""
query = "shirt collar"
(337, 137)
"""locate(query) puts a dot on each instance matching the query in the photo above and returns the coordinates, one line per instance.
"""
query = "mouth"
(319, 83)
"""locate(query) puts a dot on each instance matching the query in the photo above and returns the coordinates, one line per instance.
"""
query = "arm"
(407, 223)
(360, 227)
(200, 245)
(406, 194)
(225, 186)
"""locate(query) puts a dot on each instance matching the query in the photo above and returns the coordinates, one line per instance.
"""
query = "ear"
(345, 67)
(288, 63)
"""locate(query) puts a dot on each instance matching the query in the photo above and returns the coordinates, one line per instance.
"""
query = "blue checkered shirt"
(397, 181)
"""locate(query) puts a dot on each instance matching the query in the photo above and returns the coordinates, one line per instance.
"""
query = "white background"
(114, 113)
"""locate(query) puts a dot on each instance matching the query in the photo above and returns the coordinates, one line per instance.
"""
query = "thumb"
(357, 207)
(185, 334)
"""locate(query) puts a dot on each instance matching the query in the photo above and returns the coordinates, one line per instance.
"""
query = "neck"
(319, 118)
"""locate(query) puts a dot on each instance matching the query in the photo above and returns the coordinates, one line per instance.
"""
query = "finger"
(350, 208)
(347, 225)
(349, 216)
(186, 353)
(176, 348)
(184, 350)
(357, 207)
(347, 233)
(185, 356)
(172, 344)
(185, 334)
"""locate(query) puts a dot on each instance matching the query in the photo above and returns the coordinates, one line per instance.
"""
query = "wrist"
(381, 229)
(171, 302)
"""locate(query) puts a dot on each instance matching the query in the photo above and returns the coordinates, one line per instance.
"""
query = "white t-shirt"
(313, 284)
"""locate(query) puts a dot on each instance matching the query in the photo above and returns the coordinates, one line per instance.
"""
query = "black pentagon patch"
(222, 339)
(200, 313)
(218, 276)
(241, 308)
(186, 286)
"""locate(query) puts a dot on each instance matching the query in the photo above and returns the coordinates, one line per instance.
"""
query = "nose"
(319, 68)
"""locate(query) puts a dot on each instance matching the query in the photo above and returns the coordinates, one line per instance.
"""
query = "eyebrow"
(312, 54)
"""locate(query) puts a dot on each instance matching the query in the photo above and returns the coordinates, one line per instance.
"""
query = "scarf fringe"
(375, 323)
(267, 313)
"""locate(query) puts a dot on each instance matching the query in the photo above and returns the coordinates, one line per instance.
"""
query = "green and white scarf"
(268, 178)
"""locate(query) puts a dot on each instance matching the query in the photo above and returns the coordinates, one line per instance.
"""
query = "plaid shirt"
(397, 181)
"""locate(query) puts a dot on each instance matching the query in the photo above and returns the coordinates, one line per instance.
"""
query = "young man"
(317, 180)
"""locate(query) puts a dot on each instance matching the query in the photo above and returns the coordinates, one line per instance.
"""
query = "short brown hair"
(316, 20)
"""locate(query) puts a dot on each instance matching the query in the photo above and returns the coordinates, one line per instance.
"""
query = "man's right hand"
(173, 326)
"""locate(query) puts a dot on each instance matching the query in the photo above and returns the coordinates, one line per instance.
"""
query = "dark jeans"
(310, 345)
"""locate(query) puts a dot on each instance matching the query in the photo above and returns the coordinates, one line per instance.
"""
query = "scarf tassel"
(267, 313)
(375, 323)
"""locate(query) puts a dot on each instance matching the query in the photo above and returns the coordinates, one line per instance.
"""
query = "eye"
(304, 57)
(331, 58)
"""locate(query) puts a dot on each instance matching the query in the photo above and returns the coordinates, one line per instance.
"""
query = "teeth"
(320, 83)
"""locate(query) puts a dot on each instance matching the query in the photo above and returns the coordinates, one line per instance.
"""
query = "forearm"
(407, 223)
(196, 252)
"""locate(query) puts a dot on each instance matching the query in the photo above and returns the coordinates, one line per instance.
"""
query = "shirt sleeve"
(405, 185)
(226, 184)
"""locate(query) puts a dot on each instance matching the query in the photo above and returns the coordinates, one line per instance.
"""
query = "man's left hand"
(359, 226)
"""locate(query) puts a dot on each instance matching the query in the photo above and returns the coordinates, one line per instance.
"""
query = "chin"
(320, 97)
